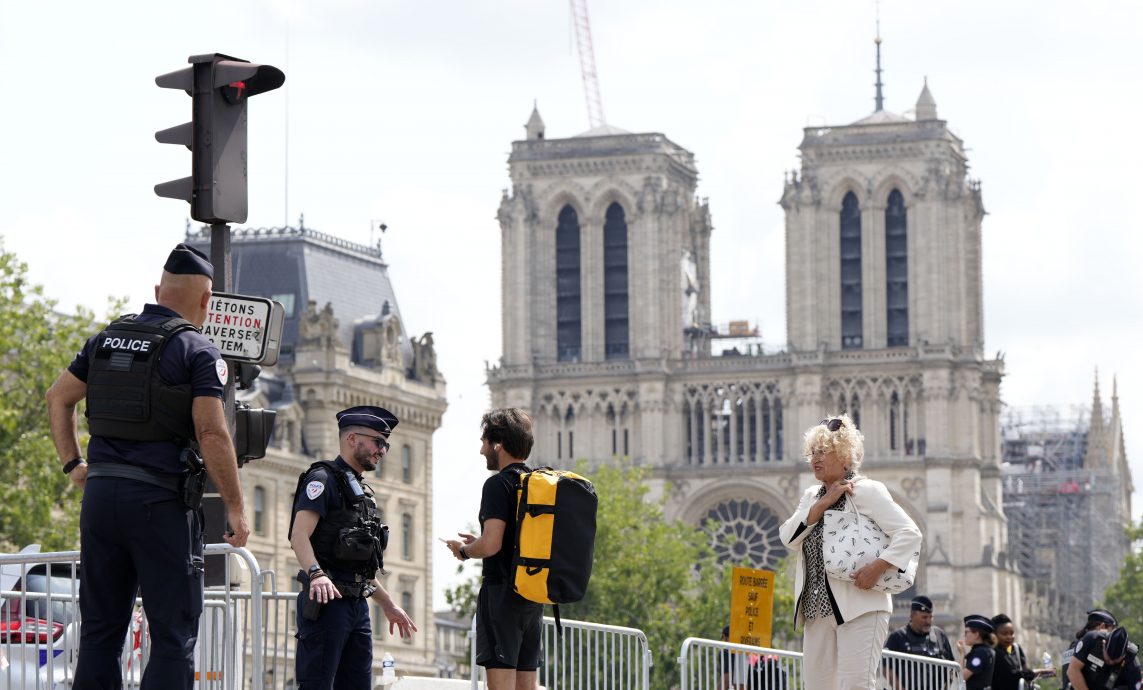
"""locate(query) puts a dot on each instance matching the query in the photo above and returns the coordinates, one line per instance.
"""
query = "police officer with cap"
(1097, 620)
(1104, 661)
(338, 538)
(918, 637)
(153, 386)
(979, 659)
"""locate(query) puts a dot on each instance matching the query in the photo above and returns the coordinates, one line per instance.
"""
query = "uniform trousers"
(844, 657)
(135, 537)
(336, 650)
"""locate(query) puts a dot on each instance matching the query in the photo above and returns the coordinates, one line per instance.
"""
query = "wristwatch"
(315, 568)
(463, 555)
(72, 465)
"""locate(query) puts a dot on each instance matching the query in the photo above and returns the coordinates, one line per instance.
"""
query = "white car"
(39, 633)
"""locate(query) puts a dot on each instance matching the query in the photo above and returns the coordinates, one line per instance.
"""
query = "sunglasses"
(831, 424)
(379, 440)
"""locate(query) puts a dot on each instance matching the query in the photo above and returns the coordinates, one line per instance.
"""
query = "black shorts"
(508, 629)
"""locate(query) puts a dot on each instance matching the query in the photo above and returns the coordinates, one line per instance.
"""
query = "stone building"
(343, 344)
(608, 337)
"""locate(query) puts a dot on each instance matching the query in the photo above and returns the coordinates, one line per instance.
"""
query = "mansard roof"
(298, 265)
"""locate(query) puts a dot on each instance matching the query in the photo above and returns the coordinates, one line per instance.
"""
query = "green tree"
(38, 504)
(652, 574)
(1124, 598)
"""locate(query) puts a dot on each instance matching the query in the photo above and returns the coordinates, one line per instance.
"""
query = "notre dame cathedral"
(608, 338)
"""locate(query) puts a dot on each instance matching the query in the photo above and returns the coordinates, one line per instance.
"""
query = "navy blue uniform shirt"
(322, 494)
(188, 358)
(1089, 650)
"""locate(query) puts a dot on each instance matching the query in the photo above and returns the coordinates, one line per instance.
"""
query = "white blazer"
(871, 499)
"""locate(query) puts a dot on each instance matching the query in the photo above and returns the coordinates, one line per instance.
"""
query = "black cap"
(978, 622)
(726, 630)
(922, 603)
(1117, 643)
(1101, 616)
(186, 260)
(376, 418)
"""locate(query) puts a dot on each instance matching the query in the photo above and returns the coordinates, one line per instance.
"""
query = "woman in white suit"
(845, 622)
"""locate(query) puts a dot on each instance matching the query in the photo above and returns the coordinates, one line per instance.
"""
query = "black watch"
(315, 568)
(72, 465)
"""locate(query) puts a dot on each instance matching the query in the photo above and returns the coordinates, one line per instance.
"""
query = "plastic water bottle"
(1047, 659)
(388, 669)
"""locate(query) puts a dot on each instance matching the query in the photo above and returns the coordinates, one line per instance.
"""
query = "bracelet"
(315, 574)
(463, 555)
(73, 464)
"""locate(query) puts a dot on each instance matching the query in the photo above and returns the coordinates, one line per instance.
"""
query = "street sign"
(245, 328)
(751, 607)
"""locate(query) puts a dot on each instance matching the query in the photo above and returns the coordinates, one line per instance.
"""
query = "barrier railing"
(585, 656)
(714, 665)
(40, 623)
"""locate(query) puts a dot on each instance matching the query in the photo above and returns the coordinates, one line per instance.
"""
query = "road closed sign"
(751, 606)
(244, 328)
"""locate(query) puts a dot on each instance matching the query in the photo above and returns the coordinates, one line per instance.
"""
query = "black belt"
(118, 469)
(351, 590)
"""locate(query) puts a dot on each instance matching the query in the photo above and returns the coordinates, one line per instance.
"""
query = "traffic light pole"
(213, 509)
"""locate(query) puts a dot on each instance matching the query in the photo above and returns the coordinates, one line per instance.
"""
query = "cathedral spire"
(1096, 455)
(926, 108)
(879, 100)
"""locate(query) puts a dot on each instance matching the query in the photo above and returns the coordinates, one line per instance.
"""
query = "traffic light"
(219, 86)
(252, 431)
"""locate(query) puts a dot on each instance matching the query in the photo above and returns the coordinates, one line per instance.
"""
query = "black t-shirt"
(934, 644)
(498, 502)
(1089, 651)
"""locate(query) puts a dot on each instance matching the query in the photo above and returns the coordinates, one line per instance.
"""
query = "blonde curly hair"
(847, 441)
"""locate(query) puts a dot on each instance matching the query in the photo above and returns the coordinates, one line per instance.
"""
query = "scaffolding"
(1065, 530)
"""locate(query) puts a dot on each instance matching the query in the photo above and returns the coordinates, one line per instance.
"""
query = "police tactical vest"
(126, 397)
(350, 539)
(1100, 675)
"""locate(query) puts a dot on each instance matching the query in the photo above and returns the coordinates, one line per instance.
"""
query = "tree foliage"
(649, 573)
(38, 504)
(1124, 598)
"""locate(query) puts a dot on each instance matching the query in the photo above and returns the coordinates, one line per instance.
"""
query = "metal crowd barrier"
(585, 656)
(245, 638)
(714, 665)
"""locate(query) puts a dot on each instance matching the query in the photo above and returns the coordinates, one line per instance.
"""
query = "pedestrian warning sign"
(244, 328)
(751, 606)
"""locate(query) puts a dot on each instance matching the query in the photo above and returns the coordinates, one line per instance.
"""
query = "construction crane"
(582, 26)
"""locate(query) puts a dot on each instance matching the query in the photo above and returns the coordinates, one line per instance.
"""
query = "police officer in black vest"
(921, 638)
(153, 386)
(1104, 661)
(338, 538)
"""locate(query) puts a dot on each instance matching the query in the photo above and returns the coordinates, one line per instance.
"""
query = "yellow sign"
(751, 607)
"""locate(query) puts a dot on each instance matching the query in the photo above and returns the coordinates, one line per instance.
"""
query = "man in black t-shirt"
(508, 641)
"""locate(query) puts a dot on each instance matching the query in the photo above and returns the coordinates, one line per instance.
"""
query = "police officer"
(978, 647)
(153, 386)
(918, 637)
(1097, 620)
(1104, 661)
(338, 538)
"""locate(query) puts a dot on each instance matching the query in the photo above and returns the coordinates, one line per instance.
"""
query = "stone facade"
(884, 323)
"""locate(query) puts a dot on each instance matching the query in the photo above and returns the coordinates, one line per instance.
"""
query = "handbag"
(851, 540)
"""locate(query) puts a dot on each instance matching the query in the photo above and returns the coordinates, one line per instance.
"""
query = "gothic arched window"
(615, 283)
(896, 272)
(567, 286)
(744, 531)
(850, 249)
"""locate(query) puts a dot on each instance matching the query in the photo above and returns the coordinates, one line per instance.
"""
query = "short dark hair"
(1000, 619)
(511, 427)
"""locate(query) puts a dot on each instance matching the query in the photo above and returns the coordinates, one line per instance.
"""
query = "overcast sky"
(404, 112)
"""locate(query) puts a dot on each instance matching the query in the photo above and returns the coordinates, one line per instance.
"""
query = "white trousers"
(844, 657)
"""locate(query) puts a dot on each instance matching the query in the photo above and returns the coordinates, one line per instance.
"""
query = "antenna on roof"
(879, 100)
